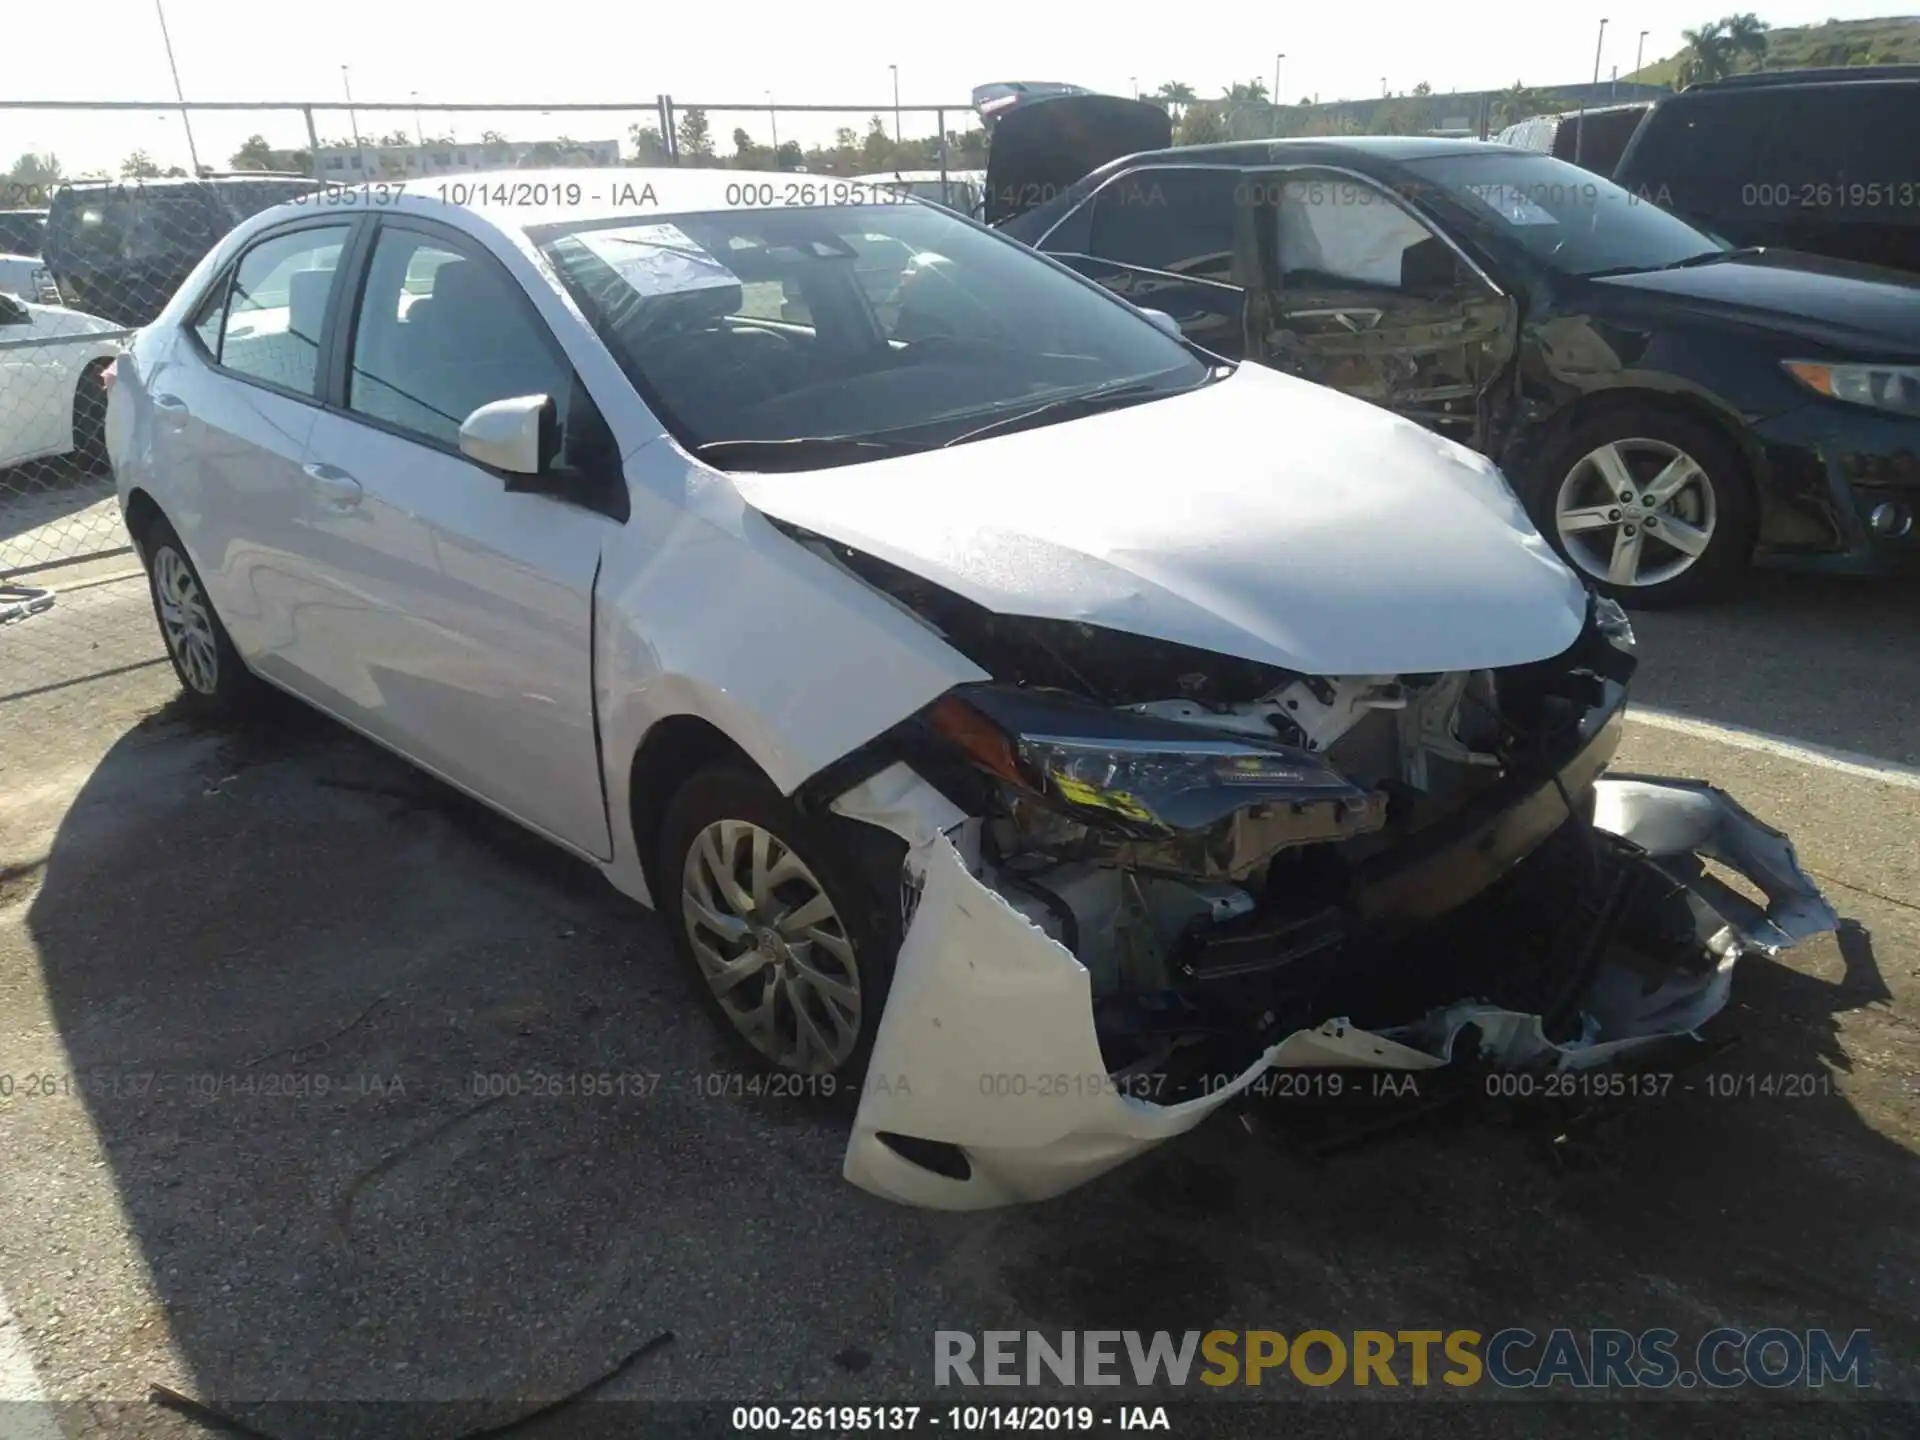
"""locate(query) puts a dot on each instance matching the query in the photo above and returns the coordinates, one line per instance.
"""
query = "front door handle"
(172, 409)
(335, 485)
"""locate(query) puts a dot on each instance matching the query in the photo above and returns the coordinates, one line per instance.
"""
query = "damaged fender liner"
(987, 1043)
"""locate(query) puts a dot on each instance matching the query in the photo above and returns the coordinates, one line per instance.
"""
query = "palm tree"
(1747, 38)
(1176, 92)
(1709, 54)
(1516, 103)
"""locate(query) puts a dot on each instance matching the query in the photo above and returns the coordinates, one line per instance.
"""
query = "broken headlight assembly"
(1077, 781)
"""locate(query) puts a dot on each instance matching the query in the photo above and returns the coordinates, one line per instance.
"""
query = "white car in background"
(53, 368)
(1030, 728)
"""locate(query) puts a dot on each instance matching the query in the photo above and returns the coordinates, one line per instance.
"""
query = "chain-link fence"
(108, 208)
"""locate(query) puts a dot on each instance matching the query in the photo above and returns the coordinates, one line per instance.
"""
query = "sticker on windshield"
(657, 259)
(1512, 205)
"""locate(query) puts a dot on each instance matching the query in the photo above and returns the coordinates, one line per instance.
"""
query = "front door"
(466, 633)
(1362, 295)
(1170, 239)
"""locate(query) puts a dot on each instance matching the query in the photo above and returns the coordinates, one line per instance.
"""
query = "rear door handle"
(335, 485)
(172, 409)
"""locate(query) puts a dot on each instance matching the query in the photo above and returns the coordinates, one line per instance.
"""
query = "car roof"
(532, 199)
(1391, 148)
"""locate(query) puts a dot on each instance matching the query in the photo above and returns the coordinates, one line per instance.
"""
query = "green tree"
(1747, 38)
(1708, 55)
(648, 147)
(1202, 124)
(139, 166)
(36, 172)
(255, 154)
(696, 135)
(395, 137)
(1517, 103)
(876, 148)
(1423, 89)
(789, 156)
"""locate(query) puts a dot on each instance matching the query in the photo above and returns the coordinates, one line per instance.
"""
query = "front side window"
(441, 333)
(1179, 220)
(1335, 229)
(271, 329)
(1567, 218)
(840, 323)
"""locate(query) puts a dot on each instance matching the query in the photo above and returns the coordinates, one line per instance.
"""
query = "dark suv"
(1667, 405)
(119, 249)
(1825, 161)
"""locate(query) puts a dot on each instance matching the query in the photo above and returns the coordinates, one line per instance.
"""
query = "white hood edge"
(1261, 517)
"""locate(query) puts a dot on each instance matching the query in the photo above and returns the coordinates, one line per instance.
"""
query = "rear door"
(1363, 295)
(1170, 238)
(233, 402)
(461, 631)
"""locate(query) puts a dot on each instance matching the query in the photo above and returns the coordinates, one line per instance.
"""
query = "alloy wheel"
(186, 621)
(772, 947)
(1636, 512)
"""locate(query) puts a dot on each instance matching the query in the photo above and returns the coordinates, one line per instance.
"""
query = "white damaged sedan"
(1026, 724)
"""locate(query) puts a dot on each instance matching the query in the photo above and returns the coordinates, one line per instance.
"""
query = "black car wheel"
(1654, 506)
(792, 938)
(90, 417)
(214, 682)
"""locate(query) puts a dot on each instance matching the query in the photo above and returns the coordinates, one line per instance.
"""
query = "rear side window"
(1179, 220)
(271, 328)
(441, 333)
(22, 235)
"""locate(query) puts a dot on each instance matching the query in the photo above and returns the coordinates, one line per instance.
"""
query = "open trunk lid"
(1046, 137)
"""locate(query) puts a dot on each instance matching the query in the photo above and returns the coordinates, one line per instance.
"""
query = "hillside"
(1890, 40)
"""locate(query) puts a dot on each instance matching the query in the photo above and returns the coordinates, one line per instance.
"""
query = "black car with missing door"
(1669, 406)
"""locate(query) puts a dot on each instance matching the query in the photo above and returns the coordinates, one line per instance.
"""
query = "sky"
(598, 51)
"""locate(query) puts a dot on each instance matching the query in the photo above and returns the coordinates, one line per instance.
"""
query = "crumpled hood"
(1262, 517)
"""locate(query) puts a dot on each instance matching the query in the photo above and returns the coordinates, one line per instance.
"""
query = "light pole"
(178, 93)
(419, 138)
(1134, 80)
(773, 119)
(1638, 51)
(352, 119)
(1580, 134)
(1383, 87)
(896, 102)
(1276, 76)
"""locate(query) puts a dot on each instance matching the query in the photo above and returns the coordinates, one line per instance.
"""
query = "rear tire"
(215, 684)
(90, 418)
(1652, 506)
(786, 923)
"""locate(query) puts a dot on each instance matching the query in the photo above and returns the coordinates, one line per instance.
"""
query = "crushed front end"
(1131, 890)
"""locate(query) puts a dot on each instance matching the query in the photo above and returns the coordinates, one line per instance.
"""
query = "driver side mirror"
(520, 435)
(1163, 322)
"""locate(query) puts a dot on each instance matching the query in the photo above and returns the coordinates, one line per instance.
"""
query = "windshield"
(1569, 218)
(894, 321)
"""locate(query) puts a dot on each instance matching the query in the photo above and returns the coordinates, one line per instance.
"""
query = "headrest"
(307, 302)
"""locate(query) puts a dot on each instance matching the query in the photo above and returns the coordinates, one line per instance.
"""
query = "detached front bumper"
(987, 1085)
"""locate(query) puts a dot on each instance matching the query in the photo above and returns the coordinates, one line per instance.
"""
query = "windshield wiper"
(802, 452)
(1085, 402)
(1714, 257)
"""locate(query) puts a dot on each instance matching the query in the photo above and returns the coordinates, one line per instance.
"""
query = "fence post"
(666, 130)
(313, 142)
(940, 128)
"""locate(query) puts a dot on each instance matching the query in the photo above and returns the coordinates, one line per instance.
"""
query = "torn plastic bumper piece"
(987, 1052)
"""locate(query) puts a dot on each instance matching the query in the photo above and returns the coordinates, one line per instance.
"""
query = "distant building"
(345, 165)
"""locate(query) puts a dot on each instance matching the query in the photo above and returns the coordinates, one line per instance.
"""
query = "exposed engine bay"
(1248, 867)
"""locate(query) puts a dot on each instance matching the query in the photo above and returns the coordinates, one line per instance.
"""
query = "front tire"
(789, 931)
(215, 685)
(1653, 506)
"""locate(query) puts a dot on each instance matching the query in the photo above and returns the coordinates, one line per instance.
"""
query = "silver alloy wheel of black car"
(1636, 512)
(185, 621)
(772, 947)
